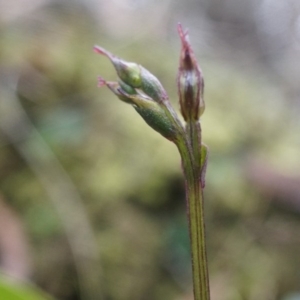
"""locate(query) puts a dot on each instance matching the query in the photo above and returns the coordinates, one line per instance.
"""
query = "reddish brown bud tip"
(189, 80)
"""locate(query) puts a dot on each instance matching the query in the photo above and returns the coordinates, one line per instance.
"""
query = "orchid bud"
(190, 81)
(154, 115)
(128, 72)
(149, 110)
(136, 76)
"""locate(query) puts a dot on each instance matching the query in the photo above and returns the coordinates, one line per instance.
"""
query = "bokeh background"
(92, 200)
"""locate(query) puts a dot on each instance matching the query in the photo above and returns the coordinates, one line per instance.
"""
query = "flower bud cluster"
(140, 88)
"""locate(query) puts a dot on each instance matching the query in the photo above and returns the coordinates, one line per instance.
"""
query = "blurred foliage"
(127, 176)
(13, 291)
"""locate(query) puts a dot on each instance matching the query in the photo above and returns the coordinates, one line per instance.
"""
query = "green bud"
(136, 76)
(128, 72)
(153, 114)
(151, 111)
(157, 119)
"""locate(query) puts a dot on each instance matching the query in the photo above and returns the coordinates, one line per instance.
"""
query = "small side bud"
(189, 80)
(157, 119)
(128, 72)
(151, 111)
(136, 76)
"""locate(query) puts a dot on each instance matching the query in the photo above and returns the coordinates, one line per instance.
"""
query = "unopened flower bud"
(136, 76)
(190, 81)
(149, 110)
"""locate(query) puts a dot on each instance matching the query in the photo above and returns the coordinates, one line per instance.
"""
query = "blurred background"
(92, 200)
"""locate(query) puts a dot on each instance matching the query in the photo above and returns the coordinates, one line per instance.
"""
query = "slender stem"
(194, 196)
(197, 236)
(193, 132)
(189, 146)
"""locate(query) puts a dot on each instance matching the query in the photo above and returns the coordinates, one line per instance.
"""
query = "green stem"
(189, 146)
(190, 154)
(193, 132)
